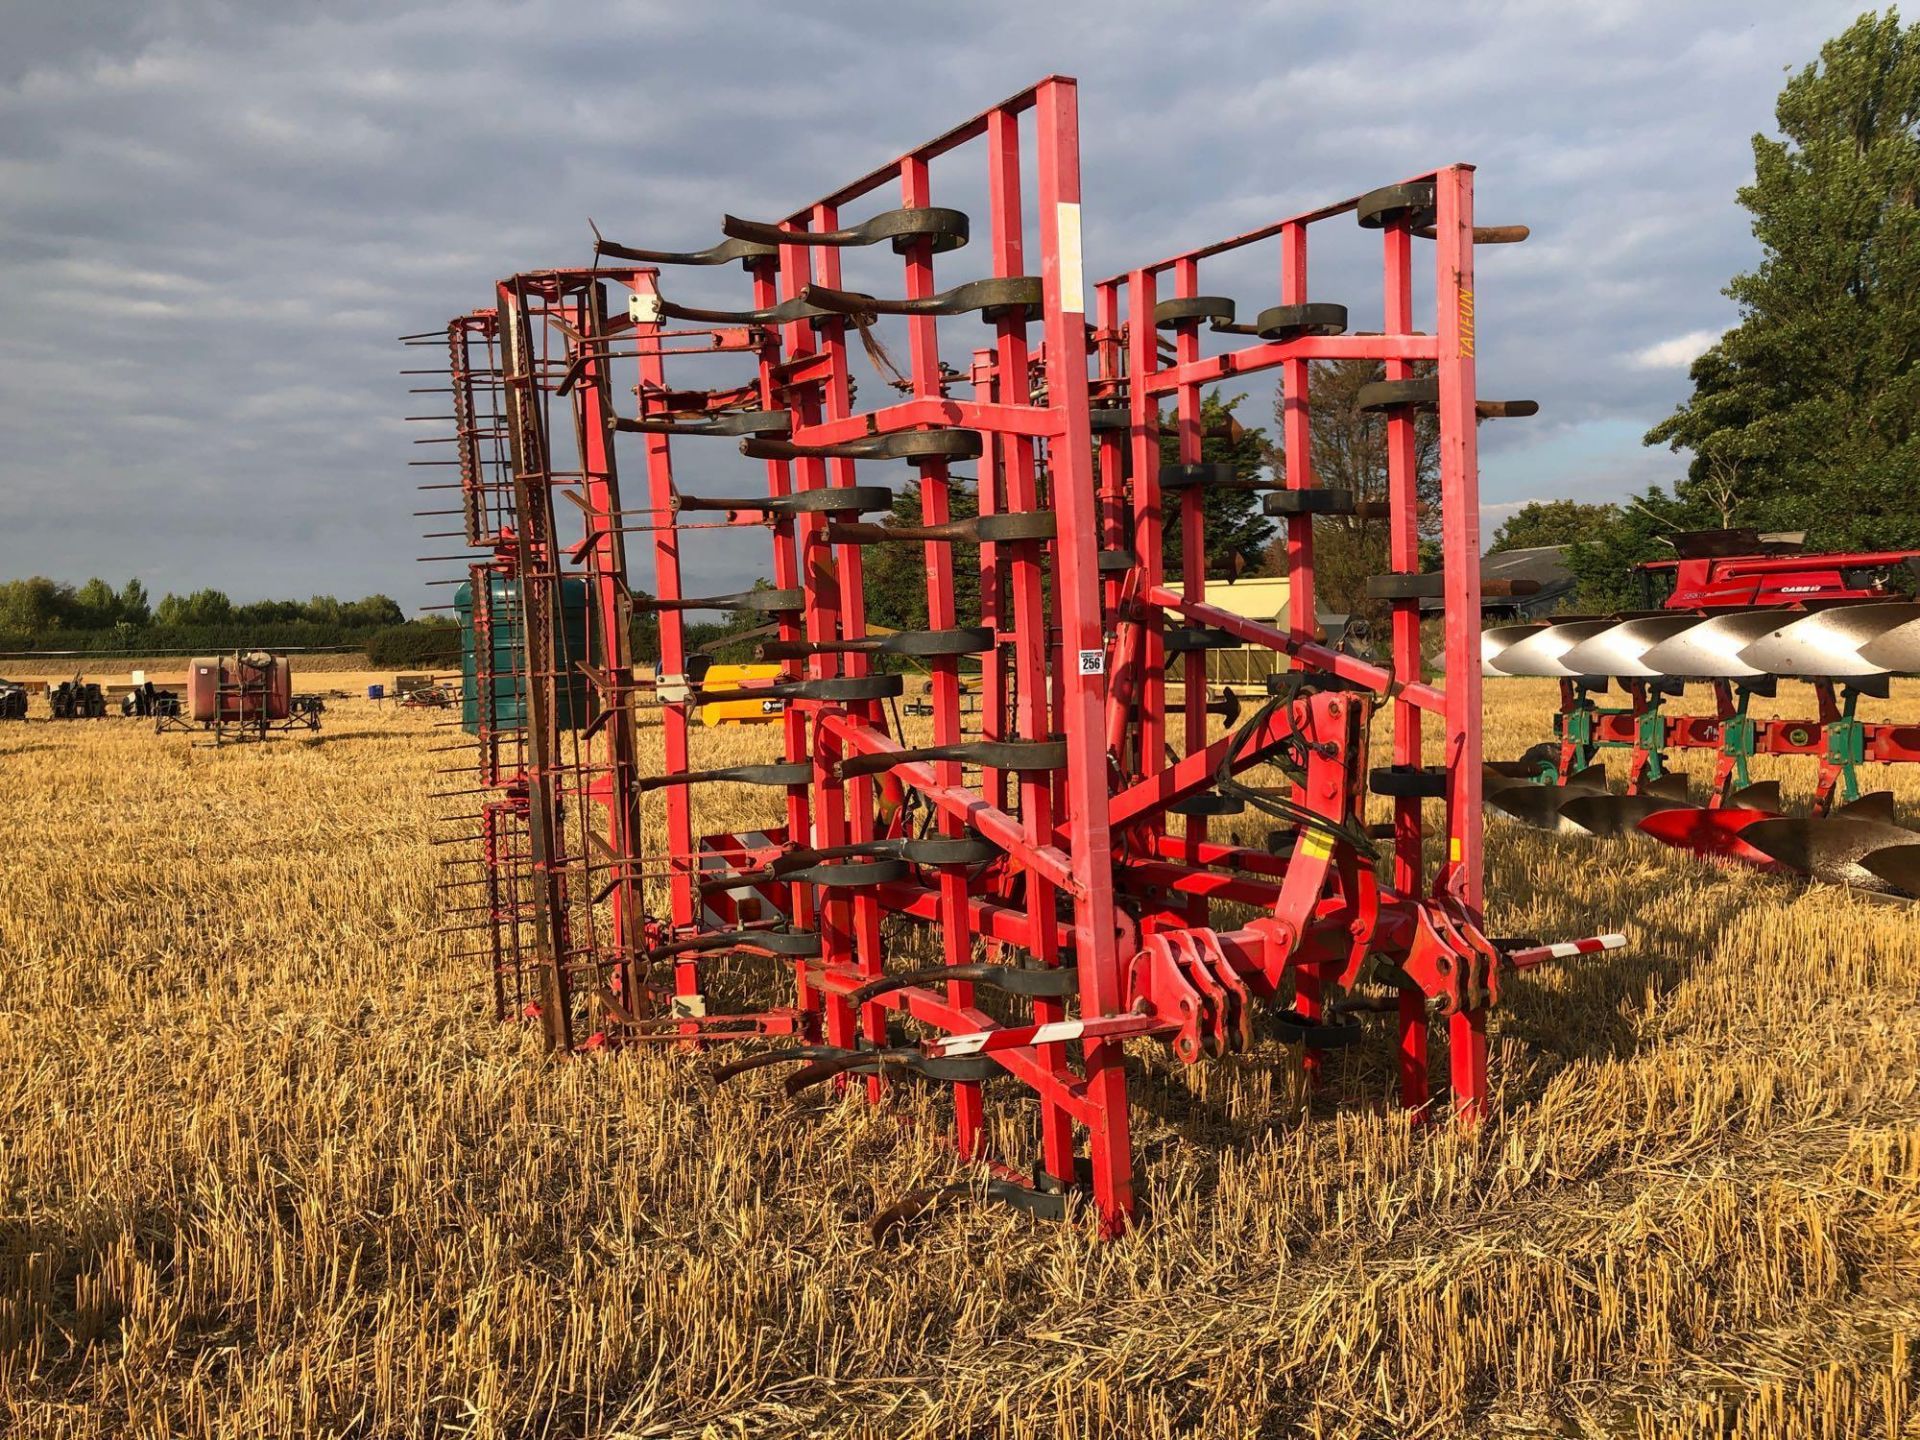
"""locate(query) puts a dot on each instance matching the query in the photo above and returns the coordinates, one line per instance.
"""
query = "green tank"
(509, 700)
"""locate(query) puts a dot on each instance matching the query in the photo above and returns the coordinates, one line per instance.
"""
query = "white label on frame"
(1093, 662)
(1073, 270)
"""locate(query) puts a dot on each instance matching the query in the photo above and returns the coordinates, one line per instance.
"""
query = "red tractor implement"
(1737, 612)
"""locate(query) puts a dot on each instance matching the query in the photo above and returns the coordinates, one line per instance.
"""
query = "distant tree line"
(37, 613)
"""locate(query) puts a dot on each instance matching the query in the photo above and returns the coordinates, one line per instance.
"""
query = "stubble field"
(269, 1168)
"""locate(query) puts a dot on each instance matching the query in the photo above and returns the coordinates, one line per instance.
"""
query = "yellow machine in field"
(740, 712)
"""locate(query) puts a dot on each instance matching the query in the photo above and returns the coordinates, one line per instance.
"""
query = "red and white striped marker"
(1053, 1032)
(1564, 950)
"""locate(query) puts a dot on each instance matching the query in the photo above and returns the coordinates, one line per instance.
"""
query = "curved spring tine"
(997, 529)
(848, 874)
(760, 1060)
(952, 1069)
(797, 772)
(1058, 981)
(965, 640)
(758, 600)
(737, 422)
(800, 943)
(948, 229)
(785, 313)
(992, 298)
(898, 445)
(833, 499)
(1022, 755)
(836, 687)
(745, 251)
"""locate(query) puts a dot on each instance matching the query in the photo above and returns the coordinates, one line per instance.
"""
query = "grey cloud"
(220, 215)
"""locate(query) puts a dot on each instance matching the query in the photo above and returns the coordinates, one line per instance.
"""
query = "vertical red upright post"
(1463, 873)
(1082, 682)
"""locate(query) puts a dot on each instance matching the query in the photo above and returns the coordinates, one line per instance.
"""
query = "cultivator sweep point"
(1745, 612)
(997, 907)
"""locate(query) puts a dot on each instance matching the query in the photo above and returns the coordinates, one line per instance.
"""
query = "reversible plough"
(999, 906)
(1743, 612)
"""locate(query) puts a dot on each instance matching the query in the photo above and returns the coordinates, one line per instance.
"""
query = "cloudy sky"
(217, 215)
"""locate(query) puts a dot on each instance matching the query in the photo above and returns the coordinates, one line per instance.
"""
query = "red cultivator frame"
(1026, 851)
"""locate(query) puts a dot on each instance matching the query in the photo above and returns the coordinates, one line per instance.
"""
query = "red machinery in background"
(1046, 849)
(1738, 611)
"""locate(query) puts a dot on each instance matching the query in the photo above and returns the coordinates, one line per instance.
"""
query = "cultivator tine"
(906, 228)
(796, 773)
(994, 299)
(736, 423)
(797, 943)
(832, 500)
(848, 874)
(840, 688)
(1059, 982)
(966, 640)
(979, 529)
(748, 252)
(763, 1059)
(772, 602)
(1017, 755)
(968, 1070)
(899, 445)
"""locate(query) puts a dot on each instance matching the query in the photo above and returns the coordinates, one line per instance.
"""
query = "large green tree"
(894, 575)
(1804, 415)
(1237, 530)
(1350, 453)
(1553, 522)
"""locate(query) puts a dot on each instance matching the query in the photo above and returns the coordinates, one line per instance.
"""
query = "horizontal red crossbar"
(1333, 662)
(1312, 347)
